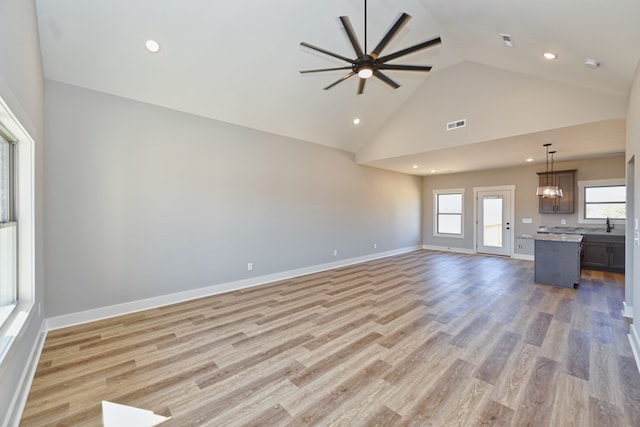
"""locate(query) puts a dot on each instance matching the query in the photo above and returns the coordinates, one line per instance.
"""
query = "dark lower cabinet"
(603, 253)
(616, 256)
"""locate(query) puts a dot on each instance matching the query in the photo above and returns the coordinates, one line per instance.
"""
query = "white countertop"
(569, 238)
(619, 231)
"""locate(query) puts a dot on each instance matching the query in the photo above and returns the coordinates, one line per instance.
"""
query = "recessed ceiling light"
(152, 46)
(432, 171)
(415, 166)
(356, 121)
(528, 159)
(549, 55)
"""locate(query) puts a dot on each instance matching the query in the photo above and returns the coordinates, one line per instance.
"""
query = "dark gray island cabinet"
(557, 259)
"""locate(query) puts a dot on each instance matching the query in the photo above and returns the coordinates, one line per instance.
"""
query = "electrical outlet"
(527, 220)
(375, 246)
(335, 252)
(563, 221)
(250, 266)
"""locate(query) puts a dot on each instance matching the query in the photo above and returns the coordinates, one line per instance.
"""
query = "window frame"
(23, 211)
(436, 213)
(583, 185)
(8, 230)
(11, 178)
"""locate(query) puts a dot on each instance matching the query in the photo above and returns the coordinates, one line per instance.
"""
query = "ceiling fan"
(367, 65)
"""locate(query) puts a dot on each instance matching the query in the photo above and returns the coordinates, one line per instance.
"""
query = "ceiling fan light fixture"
(365, 73)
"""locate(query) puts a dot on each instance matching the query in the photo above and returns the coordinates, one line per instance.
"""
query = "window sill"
(449, 236)
(11, 329)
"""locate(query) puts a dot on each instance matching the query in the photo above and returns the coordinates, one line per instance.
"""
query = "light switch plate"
(527, 220)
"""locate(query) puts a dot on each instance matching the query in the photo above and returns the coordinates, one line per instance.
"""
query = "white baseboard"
(627, 310)
(635, 344)
(523, 257)
(449, 249)
(72, 319)
(24, 387)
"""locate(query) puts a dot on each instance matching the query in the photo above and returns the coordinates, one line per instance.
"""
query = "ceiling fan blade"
(386, 79)
(326, 52)
(361, 86)
(346, 23)
(409, 50)
(325, 69)
(340, 80)
(404, 67)
(390, 34)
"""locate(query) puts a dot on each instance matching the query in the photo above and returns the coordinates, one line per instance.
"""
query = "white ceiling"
(238, 62)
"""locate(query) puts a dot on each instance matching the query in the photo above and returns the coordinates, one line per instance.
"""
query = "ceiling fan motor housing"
(365, 61)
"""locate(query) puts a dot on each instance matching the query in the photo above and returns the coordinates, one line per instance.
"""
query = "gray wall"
(526, 202)
(144, 201)
(21, 87)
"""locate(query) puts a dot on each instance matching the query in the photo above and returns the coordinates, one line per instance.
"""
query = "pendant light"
(549, 190)
(556, 191)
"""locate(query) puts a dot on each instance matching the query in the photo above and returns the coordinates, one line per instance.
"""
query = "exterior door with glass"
(494, 222)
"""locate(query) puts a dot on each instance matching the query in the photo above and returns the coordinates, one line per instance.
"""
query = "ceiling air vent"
(457, 124)
(506, 38)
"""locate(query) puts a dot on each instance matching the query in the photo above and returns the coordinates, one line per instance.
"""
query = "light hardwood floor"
(425, 338)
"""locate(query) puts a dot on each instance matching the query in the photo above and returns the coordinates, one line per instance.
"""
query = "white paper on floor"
(117, 415)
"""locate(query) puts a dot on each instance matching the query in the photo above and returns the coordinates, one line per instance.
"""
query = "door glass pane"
(492, 221)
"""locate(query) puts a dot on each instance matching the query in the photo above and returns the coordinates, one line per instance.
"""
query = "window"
(8, 231)
(602, 199)
(448, 215)
(17, 242)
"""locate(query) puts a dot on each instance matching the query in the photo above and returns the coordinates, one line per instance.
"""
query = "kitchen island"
(602, 248)
(557, 259)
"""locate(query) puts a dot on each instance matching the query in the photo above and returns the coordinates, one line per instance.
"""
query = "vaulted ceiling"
(239, 62)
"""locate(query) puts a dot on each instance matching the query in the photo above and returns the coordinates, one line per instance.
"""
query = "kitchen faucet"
(608, 226)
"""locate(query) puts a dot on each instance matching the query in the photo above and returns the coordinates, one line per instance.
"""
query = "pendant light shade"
(550, 189)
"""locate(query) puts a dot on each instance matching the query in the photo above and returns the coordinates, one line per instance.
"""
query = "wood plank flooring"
(424, 338)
